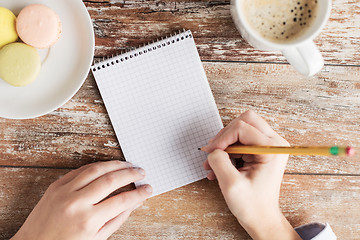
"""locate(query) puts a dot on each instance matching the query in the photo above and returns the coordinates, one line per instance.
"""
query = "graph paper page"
(162, 109)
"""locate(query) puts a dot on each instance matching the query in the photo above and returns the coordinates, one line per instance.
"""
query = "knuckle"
(87, 225)
(283, 142)
(125, 198)
(86, 166)
(140, 195)
(239, 123)
(133, 196)
(110, 179)
(248, 114)
(70, 208)
(278, 141)
(95, 169)
(217, 154)
(52, 187)
(269, 142)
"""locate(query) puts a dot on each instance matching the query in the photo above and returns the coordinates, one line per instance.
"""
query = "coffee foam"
(280, 20)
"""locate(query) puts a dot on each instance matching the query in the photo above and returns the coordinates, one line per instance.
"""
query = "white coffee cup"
(302, 52)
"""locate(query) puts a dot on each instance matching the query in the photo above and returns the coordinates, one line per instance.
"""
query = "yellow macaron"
(19, 64)
(8, 32)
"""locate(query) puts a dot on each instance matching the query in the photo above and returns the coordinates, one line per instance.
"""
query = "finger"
(211, 175)
(71, 175)
(217, 135)
(223, 168)
(239, 131)
(206, 165)
(277, 166)
(108, 183)
(115, 205)
(114, 224)
(95, 171)
(248, 158)
(250, 117)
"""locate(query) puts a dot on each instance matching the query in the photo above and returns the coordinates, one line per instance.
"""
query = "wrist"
(270, 226)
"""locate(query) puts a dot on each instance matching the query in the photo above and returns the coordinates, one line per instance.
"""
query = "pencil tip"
(199, 149)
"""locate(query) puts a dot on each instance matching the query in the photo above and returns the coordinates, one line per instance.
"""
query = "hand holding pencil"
(252, 191)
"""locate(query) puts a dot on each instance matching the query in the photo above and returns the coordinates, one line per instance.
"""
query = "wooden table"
(320, 110)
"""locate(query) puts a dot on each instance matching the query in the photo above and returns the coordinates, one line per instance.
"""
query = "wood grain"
(196, 211)
(123, 24)
(322, 110)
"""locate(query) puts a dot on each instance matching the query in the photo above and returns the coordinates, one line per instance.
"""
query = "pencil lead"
(199, 149)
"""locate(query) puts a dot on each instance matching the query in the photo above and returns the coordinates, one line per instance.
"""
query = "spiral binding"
(136, 52)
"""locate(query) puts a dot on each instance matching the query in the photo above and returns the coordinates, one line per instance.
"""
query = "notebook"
(162, 109)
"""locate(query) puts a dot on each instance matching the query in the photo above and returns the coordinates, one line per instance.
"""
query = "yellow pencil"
(295, 150)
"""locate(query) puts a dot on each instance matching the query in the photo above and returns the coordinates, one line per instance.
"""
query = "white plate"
(64, 70)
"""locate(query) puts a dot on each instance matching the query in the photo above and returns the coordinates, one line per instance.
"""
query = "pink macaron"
(38, 25)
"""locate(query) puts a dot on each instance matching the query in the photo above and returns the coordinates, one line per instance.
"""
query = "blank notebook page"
(162, 109)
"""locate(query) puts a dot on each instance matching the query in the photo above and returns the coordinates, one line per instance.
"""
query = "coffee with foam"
(280, 21)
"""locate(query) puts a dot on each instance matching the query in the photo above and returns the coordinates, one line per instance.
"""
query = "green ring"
(334, 150)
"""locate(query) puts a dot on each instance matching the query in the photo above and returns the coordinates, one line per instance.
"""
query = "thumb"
(225, 171)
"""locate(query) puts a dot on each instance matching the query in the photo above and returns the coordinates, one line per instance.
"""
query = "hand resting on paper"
(252, 191)
(73, 207)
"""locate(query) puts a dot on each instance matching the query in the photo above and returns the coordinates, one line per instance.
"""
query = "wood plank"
(322, 110)
(123, 24)
(196, 211)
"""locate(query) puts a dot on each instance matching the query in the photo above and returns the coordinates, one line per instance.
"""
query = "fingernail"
(148, 188)
(141, 171)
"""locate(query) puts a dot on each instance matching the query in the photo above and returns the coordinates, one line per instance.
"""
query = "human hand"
(252, 191)
(73, 207)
